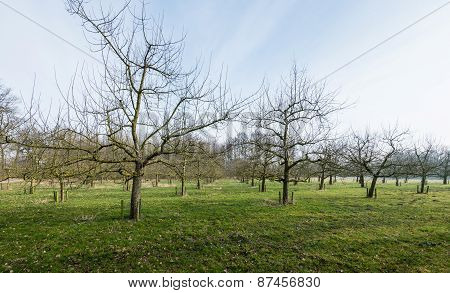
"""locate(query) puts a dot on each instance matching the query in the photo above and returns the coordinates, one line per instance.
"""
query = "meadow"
(227, 226)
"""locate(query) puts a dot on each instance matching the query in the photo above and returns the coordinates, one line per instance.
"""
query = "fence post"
(176, 190)
(292, 197)
(279, 197)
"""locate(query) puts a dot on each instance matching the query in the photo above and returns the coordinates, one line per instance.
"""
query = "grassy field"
(228, 227)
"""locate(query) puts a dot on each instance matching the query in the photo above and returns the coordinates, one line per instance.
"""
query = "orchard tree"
(375, 153)
(142, 100)
(445, 166)
(426, 160)
(297, 116)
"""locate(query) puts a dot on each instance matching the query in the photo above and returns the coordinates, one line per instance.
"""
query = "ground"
(227, 226)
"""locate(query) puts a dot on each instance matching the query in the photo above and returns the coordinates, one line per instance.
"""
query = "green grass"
(228, 227)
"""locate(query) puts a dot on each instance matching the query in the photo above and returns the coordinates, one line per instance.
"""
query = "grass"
(228, 227)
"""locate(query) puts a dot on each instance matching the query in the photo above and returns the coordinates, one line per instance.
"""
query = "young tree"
(296, 116)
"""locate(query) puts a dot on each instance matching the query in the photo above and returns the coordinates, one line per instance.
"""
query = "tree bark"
(183, 187)
(322, 180)
(361, 180)
(61, 189)
(331, 180)
(372, 186)
(422, 183)
(136, 192)
(445, 174)
(263, 184)
(286, 185)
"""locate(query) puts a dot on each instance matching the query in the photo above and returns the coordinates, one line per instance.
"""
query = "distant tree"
(327, 156)
(8, 123)
(426, 160)
(445, 166)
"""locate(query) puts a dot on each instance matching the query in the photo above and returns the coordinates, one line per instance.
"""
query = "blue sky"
(406, 80)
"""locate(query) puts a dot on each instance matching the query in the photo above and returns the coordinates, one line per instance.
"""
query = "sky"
(405, 81)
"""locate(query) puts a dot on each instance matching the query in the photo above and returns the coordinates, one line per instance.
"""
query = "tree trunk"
(384, 180)
(157, 180)
(136, 192)
(198, 183)
(361, 180)
(253, 181)
(372, 186)
(322, 180)
(396, 181)
(406, 179)
(286, 185)
(330, 180)
(445, 174)
(263, 184)
(422, 183)
(61, 189)
(183, 187)
(31, 186)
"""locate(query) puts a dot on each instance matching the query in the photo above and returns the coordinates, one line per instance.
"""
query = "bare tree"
(375, 153)
(426, 160)
(296, 116)
(8, 122)
(445, 154)
(142, 100)
(328, 160)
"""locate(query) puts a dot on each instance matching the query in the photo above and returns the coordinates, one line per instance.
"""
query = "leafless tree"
(426, 160)
(328, 154)
(142, 102)
(445, 155)
(375, 153)
(8, 122)
(296, 116)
